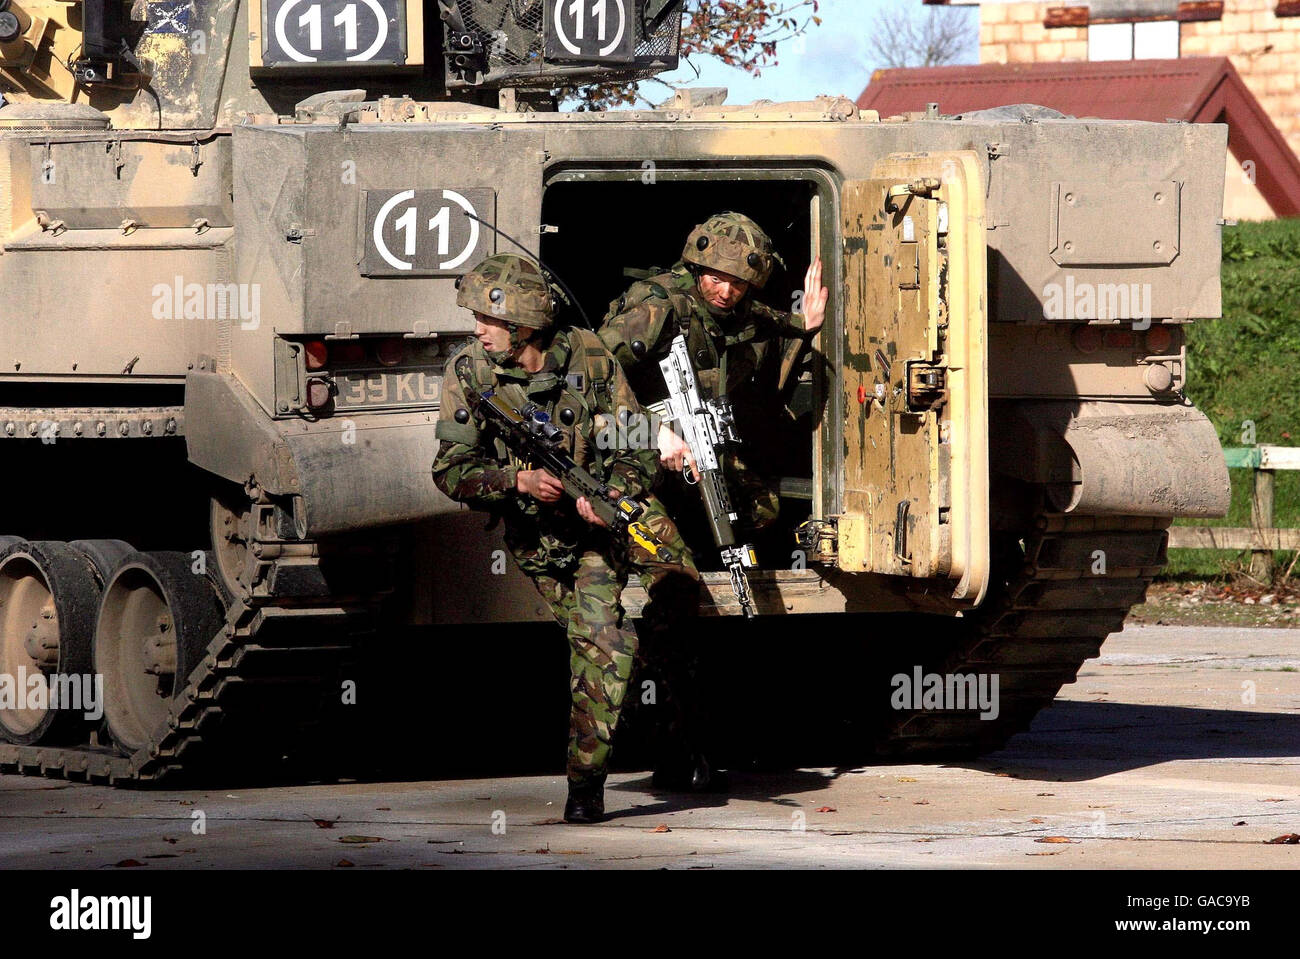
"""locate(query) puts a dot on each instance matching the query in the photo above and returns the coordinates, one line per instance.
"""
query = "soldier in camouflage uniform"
(730, 335)
(579, 568)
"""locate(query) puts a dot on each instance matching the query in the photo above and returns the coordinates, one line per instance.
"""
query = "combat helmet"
(735, 244)
(509, 287)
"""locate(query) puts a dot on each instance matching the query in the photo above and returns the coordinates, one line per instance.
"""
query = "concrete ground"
(1178, 748)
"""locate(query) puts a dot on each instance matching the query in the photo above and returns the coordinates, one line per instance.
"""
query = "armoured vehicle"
(229, 237)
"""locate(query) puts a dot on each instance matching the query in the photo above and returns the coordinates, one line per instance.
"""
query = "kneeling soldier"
(578, 564)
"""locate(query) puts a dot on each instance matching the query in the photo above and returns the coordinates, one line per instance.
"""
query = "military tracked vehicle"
(229, 237)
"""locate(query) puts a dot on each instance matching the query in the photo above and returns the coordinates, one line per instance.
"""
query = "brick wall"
(1014, 33)
(1264, 47)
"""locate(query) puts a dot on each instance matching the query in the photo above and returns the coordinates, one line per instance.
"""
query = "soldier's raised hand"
(540, 485)
(815, 297)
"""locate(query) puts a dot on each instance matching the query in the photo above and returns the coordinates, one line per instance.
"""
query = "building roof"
(1195, 89)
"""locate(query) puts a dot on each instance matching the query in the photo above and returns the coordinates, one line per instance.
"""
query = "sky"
(835, 59)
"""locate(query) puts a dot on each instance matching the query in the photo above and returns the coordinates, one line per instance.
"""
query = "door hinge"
(927, 386)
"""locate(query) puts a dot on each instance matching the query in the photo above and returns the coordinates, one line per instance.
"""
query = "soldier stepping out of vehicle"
(730, 335)
(577, 563)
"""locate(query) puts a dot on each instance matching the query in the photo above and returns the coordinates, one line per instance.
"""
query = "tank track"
(265, 677)
(264, 687)
(1047, 615)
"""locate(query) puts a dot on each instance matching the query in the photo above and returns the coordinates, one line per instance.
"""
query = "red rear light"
(317, 354)
(1087, 339)
(390, 352)
(1119, 339)
(1159, 339)
(349, 352)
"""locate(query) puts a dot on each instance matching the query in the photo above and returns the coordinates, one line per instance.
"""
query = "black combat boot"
(689, 772)
(586, 803)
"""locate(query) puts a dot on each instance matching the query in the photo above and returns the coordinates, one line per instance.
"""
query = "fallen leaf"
(921, 802)
(360, 839)
(1036, 819)
(906, 779)
(1056, 853)
(345, 862)
(126, 863)
(1053, 839)
(661, 828)
(1046, 794)
(1240, 823)
(542, 852)
(384, 808)
(325, 823)
(827, 809)
(1272, 800)
(1290, 839)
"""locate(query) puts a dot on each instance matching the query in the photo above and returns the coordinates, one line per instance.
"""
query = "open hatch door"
(915, 498)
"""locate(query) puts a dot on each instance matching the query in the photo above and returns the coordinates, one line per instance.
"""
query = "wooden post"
(1261, 517)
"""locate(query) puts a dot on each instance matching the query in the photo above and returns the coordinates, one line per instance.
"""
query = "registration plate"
(387, 389)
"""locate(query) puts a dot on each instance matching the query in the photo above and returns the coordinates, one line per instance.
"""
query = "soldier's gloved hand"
(589, 514)
(673, 450)
(540, 485)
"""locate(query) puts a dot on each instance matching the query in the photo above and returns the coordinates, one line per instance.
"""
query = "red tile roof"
(1196, 89)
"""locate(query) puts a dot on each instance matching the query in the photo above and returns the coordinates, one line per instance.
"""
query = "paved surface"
(1156, 757)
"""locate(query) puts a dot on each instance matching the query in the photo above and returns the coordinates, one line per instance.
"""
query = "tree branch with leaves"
(745, 34)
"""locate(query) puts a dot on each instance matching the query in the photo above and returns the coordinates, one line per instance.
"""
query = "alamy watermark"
(82, 692)
(1084, 300)
(949, 691)
(179, 300)
(75, 912)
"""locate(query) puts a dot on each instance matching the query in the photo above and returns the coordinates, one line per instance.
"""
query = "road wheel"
(104, 555)
(156, 618)
(48, 602)
(229, 520)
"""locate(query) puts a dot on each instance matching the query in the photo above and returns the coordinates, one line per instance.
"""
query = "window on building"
(1146, 40)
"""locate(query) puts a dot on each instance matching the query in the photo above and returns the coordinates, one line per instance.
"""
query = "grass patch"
(1245, 369)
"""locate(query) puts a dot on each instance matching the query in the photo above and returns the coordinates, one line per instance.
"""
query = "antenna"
(564, 287)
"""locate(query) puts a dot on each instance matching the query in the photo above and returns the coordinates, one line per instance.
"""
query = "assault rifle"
(707, 426)
(530, 435)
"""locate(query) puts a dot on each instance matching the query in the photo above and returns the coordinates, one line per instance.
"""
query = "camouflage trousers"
(585, 599)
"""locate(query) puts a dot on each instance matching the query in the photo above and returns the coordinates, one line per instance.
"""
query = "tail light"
(390, 352)
(1159, 339)
(1119, 339)
(316, 354)
(348, 351)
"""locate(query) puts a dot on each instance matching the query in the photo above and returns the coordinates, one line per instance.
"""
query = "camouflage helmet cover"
(735, 244)
(509, 287)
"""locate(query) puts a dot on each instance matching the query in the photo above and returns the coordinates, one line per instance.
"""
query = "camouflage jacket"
(729, 348)
(578, 382)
